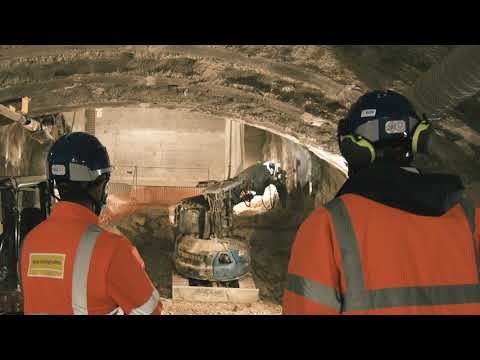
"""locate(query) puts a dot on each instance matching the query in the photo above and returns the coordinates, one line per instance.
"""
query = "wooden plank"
(14, 116)
(214, 294)
(247, 293)
(247, 282)
(8, 116)
(178, 280)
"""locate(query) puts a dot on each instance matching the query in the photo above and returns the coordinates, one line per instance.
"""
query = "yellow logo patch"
(46, 265)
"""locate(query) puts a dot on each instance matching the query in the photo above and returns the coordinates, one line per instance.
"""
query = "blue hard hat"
(77, 156)
(381, 116)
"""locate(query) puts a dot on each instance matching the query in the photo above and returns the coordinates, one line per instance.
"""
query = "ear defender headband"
(421, 139)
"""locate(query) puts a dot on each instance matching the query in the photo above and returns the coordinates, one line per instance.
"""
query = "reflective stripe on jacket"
(71, 266)
(356, 256)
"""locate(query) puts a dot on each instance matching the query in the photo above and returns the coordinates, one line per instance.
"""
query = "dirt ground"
(190, 308)
(150, 231)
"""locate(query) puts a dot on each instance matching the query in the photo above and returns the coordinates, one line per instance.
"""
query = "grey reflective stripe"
(314, 291)
(357, 297)
(469, 210)
(369, 130)
(116, 311)
(148, 307)
(80, 172)
(347, 241)
(81, 268)
(411, 169)
(416, 296)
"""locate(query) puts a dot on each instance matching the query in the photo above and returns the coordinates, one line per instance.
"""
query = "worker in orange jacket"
(69, 265)
(394, 240)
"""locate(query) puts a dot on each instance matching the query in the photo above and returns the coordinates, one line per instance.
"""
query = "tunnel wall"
(254, 140)
(234, 148)
(169, 147)
(77, 119)
(311, 183)
(295, 159)
(20, 154)
(309, 179)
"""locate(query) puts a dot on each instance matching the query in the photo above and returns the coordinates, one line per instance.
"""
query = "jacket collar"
(405, 189)
(75, 212)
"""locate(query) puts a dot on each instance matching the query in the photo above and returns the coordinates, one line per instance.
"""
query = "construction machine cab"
(24, 203)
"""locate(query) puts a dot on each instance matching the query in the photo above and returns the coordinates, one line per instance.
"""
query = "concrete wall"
(294, 158)
(76, 120)
(254, 140)
(169, 147)
(234, 148)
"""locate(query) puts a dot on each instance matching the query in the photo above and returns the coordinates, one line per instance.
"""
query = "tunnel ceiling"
(301, 91)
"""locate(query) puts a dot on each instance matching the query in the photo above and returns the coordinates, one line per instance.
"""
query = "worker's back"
(380, 248)
(410, 264)
(71, 266)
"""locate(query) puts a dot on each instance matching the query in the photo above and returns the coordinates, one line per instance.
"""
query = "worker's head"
(79, 168)
(382, 126)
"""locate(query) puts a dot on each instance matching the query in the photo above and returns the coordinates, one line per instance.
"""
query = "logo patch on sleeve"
(46, 265)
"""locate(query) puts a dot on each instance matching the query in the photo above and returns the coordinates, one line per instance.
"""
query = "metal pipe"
(230, 151)
(27, 122)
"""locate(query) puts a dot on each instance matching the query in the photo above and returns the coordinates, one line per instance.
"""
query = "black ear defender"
(358, 151)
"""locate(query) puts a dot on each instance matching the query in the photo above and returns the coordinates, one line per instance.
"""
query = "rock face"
(294, 90)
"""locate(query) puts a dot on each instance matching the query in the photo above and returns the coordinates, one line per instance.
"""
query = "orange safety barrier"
(122, 203)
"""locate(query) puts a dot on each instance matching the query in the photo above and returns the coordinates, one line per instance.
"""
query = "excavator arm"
(211, 214)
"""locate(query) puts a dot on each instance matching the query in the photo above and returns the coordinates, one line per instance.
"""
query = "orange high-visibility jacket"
(71, 266)
(358, 256)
